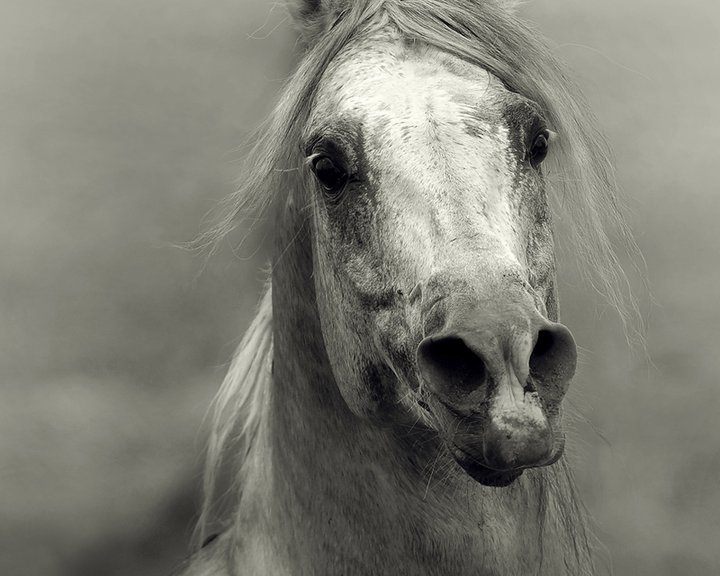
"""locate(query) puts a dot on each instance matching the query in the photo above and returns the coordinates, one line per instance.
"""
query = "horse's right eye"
(331, 176)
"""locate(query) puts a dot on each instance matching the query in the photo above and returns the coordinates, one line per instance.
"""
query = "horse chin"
(496, 478)
(484, 474)
(488, 477)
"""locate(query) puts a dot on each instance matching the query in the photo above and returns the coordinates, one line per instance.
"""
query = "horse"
(396, 406)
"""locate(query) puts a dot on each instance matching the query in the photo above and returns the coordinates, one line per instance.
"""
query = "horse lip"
(465, 456)
(484, 474)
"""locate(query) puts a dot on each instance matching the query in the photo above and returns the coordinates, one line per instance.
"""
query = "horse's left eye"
(539, 148)
(329, 174)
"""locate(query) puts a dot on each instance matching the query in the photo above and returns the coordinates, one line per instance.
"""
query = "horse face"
(433, 255)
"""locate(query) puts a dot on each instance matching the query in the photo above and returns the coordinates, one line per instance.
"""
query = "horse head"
(433, 252)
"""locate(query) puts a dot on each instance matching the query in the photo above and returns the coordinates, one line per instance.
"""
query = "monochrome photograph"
(359, 287)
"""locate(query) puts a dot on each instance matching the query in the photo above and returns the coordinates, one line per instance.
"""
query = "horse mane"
(580, 175)
(236, 414)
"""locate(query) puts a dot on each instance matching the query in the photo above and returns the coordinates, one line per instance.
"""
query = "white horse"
(396, 406)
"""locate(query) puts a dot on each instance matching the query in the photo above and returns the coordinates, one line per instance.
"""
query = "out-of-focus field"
(122, 124)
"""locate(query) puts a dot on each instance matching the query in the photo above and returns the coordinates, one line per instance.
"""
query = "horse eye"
(330, 176)
(539, 148)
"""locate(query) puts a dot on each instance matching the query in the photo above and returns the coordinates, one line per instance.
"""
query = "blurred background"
(123, 123)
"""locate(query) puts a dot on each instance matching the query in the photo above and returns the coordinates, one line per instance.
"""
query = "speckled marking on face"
(515, 413)
(439, 153)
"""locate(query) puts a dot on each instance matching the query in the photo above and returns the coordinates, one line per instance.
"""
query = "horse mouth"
(482, 474)
(471, 466)
(470, 454)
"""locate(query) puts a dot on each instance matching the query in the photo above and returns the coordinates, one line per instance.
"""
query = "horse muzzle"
(494, 379)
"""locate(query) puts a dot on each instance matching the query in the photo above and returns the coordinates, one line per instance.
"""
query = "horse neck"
(319, 470)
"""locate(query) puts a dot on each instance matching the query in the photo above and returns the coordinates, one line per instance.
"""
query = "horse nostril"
(544, 344)
(554, 356)
(449, 367)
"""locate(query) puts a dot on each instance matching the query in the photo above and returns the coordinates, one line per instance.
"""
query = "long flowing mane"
(581, 179)
(235, 416)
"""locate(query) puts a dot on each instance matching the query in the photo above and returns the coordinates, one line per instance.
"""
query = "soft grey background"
(122, 124)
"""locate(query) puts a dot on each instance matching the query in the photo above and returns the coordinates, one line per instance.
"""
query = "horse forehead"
(409, 89)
